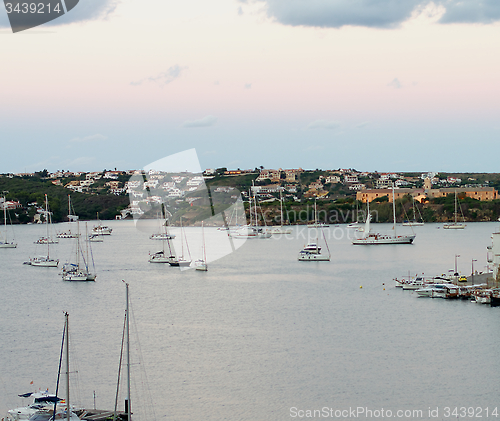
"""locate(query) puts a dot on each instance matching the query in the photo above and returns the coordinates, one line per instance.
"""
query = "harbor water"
(259, 336)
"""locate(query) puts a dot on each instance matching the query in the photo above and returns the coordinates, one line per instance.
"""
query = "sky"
(375, 85)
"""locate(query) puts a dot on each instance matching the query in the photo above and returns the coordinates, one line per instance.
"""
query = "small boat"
(101, 229)
(201, 264)
(281, 229)
(79, 270)
(181, 261)
(71, 218)
(95, 238)
(44, 261)
(66, 234)
(312, 251)
(162, 236)
(482, 296)
(5, 243)
(251, 231)
(163, 233)
(46, 405)
(414, 222)
(455, 225)
(161, 257)
(439, 291)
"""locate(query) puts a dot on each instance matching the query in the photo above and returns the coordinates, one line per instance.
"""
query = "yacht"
(371, 238)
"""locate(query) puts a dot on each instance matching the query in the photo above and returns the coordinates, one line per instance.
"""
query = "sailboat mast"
(5, 217)
(455, 207)
(47, 224)
(68, 412)
(393, 211)
(129, 407)
(281, 203)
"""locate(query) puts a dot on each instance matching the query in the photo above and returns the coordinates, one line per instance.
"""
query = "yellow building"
(479, 193)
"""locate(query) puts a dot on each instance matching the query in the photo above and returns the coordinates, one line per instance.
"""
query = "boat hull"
(8, 245)
(312, 257)
(453, 227)
(375, 240)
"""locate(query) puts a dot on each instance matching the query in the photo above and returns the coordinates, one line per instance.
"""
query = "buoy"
(361, 286)
(384, 289)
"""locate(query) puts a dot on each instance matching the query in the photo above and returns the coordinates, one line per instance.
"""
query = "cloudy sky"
(384, 85)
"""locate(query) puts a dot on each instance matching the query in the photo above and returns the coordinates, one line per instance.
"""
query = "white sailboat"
(45, 261)
(162, 256)
(79, 270)
(355, 225)
(455, 225)
(316, 223)
(5, 243)
(281, 229)
(252, 230)
(371, 238)
(181, 260)
(45, 405)
(163, 233)
(71, 218)
(312, 251)
(415, 222)
(201, 264)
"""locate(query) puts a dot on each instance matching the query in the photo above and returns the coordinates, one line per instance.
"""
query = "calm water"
(257, 334)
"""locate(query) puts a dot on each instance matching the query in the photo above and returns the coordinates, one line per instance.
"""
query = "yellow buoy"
(361, 286)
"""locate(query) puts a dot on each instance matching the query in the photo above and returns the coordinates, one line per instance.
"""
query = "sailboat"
(251, 230)
(371, 238)
(163, 233)
(201, 264)
(181, 260)
(316, 223)
(48, 223)
(71, 218)
(79, 269)
(45, 261)
(5, 243)
(312, 251)
(281, 229)
(161, 256)
(455, 225)
(126, 342)
(45, 405)
(355, 225)
(414, 223)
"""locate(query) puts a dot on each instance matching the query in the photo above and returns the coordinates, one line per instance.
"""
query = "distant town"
(118, 194)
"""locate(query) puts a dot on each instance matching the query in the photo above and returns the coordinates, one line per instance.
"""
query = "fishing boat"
(78, 269)
(5, 243)
(371, 238)
(455, 225)
(101, 229)
(45, 261)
